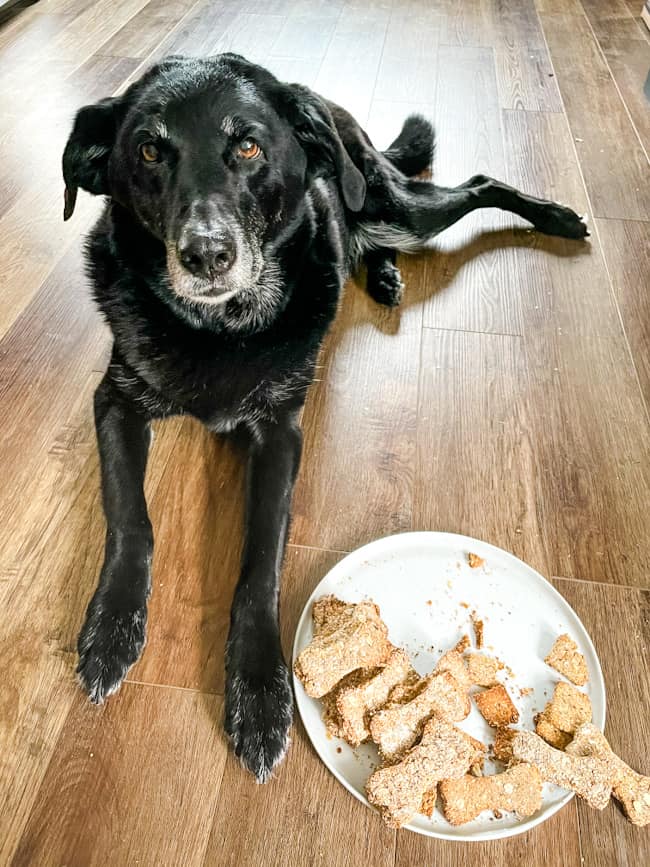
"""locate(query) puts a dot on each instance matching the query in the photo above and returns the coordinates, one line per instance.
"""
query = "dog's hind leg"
(428, 209)
(411, 153)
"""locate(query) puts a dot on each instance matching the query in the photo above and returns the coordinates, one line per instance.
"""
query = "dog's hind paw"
(384, 284)
(109, 643)
(259, 711)
(563, 222)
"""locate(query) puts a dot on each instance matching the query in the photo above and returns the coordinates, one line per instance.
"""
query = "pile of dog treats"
(370, 691)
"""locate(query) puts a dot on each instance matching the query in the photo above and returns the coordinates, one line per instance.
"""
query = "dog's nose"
(207, 255)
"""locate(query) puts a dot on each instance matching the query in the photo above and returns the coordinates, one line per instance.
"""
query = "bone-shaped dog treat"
(453, 662)
(443, 753)
(631, 789)
(327, 608)
(394, 729)
(584, 775)
(352, 637)
(355, 702)
(519, 790)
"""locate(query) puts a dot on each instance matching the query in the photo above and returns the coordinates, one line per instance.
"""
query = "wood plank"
(250, 34)
(306, 35)
(526, 79)
(123, 769)
(476, 468)
(554, 844)
(589, 431)
(409, 62)
(468, 24)
(196, 31)
(626, 246)
(515, 23)
(51, 350)
(33, 146)
(613, 163)
(618, 620)
(197, 514)
(47, 595)
(355, 483)
(302, 70)
(470, 276)
(353, 55)
(142, 33)
(628, 57)
(304, 816)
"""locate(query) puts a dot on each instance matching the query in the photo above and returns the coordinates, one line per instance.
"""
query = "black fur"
(218, 268)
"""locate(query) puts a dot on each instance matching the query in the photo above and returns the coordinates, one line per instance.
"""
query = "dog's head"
(213, 157)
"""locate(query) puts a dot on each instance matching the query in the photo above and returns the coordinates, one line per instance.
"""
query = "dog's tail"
(413, 149)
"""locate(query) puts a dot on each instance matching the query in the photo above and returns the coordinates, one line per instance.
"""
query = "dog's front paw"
(259, 710)
(110, 641)
(384, 284)
(563, 222)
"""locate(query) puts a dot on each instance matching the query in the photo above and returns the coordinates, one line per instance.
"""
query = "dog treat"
(326, 608)
(478, 629)
(394, 729)
(588, 777)
(496, 706)
(483, 669)
(631, 789)
(398, 790)
(463, 644)
(568, 709)
(354, 637)
(454, 663)
(502, 747)
(519, 790)
(355, 701)
(475, 561)
(552, 735)
(565, 658)
(331, 716)
(428, 804)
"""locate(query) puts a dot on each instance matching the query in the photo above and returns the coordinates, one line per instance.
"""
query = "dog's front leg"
(258, 692)
(113, 633)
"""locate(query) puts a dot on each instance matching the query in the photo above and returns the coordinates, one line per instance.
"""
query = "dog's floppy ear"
(86, 155)
(316, 132)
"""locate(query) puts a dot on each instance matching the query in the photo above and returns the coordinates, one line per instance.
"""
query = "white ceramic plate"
(523, 615)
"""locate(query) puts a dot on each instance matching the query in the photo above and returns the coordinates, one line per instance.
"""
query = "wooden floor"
(508, 399)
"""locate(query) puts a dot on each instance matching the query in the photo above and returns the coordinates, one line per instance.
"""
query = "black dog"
(237, 207)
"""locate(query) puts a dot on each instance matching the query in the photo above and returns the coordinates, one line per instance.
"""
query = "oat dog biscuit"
(394, 729)
(550, 733)
(631, 789)
(569, 708)
(502, 747)
(518, 790)
(352, 637)
(453, 662)
(565, 658)
(398, 790)
(326, 608)
(496, 706)
(483, 669)
(356, 701)
(584, 775)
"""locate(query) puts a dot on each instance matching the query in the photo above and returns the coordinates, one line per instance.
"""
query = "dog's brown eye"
(149, 152)
(249, 149)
